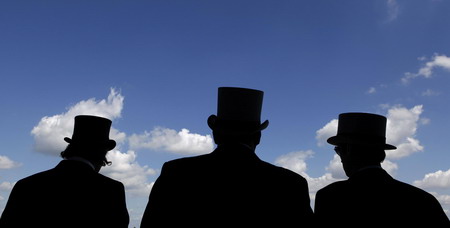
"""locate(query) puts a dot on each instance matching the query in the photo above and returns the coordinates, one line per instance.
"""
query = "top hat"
(91, 130)
(238, 111)
(361, 128)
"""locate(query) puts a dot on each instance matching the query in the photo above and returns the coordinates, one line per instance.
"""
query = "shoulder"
(279, 174)
(37, 177)
(279, 169)
(334, 188)
(108, 181)
(410, 190)
(186, 162)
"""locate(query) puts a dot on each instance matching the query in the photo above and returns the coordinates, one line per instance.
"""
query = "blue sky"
(153, 67)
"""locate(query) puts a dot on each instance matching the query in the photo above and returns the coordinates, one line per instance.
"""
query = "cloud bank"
(126, 169)
(401, 131)
(49, 133)
(51, 130)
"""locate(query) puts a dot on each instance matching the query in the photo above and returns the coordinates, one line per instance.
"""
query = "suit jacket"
(372, 198)
(230, 187)
(70, 195)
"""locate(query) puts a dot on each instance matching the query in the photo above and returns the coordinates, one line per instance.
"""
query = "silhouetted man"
(73, 194)
(371, 197)
(231, 186)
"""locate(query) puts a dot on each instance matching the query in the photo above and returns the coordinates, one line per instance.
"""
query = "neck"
(362, 168)
(239, 144)
(83, 160)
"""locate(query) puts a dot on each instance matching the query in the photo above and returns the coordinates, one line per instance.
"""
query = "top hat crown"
(361, 128)
(238, 108)
(91, 130)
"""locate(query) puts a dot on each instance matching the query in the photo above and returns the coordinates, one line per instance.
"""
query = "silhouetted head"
(90, 140)
(238, 118)
(360, 140)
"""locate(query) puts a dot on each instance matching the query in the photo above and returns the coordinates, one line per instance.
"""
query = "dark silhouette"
(371, 197)
(231, 186)
(73, 194)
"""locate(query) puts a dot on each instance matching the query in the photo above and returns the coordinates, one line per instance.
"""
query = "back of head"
(90, 139)
(238, 116)
(360, 140)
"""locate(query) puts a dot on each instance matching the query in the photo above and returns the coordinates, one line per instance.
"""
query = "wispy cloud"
(438, 61)
(430, 93)
(392, 10)
(371, 90)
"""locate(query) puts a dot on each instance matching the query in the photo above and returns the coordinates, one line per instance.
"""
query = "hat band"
(237, 124)
(108, 143)
(361, 139)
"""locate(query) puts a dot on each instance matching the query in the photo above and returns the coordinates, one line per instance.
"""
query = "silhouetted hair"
(90, 153)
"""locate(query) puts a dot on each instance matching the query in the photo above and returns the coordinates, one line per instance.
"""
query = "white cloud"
(335, 168)
(443, 199)
(6, 163)
(404, 149)
(330, 129)
(5, 187)
(390, 167)
(438, 179)
(337, 171)
(401, 130)
(295, 161)
(182, 142)
(51, 130)
(127, 170)
(438, 61)
(317, 183)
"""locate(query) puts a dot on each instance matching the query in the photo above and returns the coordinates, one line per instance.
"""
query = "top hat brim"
(237, 127)
(339, 139)
(109, 144)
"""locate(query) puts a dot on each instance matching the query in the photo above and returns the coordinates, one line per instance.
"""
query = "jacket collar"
(74, 165)
(371, 173)
(235, 152)
(83, 160)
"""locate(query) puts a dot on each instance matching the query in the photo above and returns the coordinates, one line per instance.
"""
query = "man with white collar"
(371, 197)
(73, 194)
